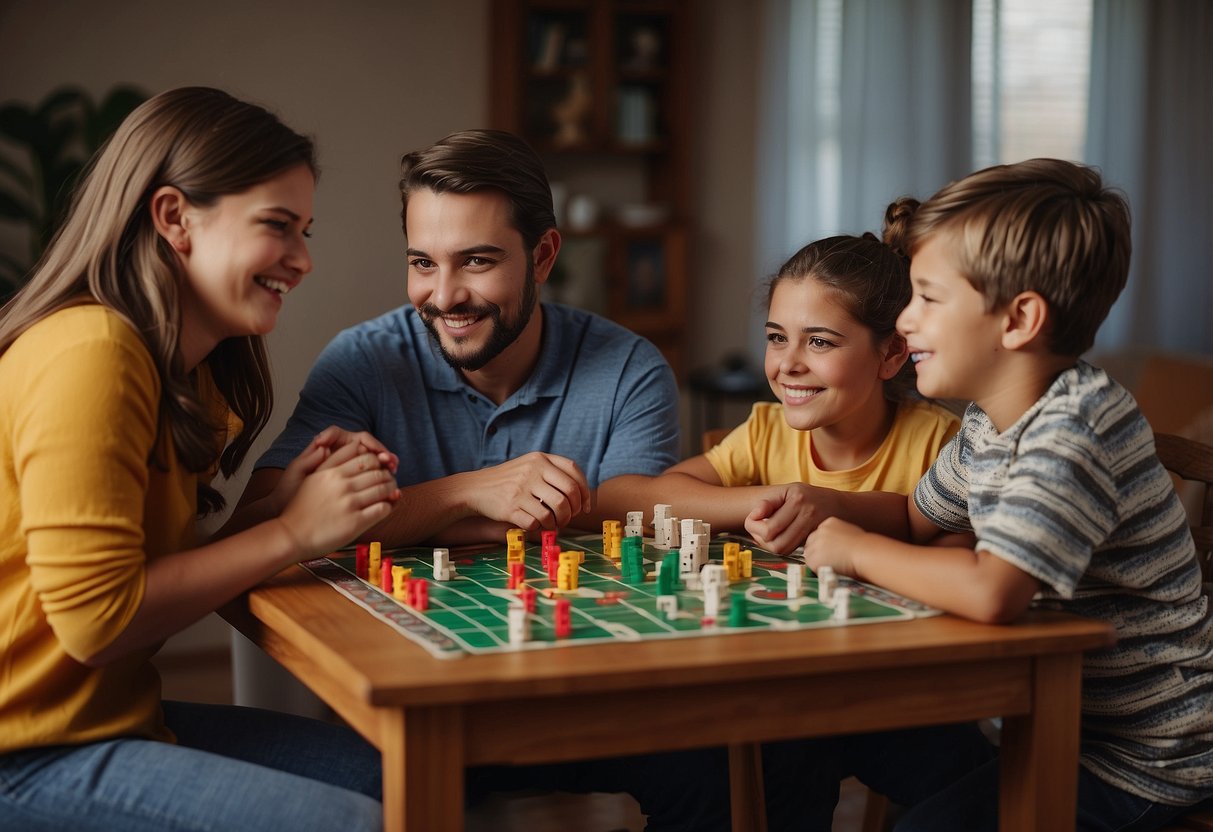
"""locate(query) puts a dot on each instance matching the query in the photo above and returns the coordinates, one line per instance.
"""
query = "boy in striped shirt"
(1055, 495)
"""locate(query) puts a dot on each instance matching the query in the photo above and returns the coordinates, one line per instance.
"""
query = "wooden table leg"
(423, 769)
(746, 796)
(1039, 755)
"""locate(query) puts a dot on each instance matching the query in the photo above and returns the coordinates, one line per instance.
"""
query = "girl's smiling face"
(823, 364)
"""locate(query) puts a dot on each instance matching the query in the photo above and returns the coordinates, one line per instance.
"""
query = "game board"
(468, 614)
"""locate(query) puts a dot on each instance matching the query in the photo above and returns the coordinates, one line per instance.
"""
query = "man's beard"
(502, 335)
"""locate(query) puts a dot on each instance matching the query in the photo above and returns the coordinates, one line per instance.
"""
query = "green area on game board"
(469, 612)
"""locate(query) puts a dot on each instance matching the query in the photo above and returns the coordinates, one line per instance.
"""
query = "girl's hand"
(833, 544)
(352, 490)
(319, 454)
(781, 521)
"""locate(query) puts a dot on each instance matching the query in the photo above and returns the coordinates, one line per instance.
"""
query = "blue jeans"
(972, 803)
(233, 768)
(947, 775)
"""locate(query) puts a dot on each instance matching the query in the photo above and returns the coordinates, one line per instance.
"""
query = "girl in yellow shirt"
(844, 419)
(136, 343)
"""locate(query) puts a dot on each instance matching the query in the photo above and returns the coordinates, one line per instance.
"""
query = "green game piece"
(667, 579)
(739, 610)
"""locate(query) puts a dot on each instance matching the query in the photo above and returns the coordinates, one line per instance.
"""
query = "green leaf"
(12, 274)
(17, 174)
(65, 98)
(17, 122)
(116, 107)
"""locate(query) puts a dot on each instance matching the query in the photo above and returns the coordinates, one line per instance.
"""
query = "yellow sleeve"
(83, 430)
(736, 459)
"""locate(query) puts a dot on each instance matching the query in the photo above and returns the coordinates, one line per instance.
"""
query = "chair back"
(1192, 461)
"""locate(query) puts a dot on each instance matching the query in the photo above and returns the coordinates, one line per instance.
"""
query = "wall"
(371, 79)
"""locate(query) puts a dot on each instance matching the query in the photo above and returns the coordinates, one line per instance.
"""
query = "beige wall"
(370, 79)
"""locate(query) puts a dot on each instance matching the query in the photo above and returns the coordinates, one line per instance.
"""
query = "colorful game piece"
(842, 604)
(746, 557)
(668, 605)
(732, 560)
(553, 565)
(562, 621)
(517, 574)
(519, 624)
(400, 582)
(528, 594)
(385, 575)
(567, 571)
(362, 553)
(826, 584)
(443, 571)
(739, 610)
(795, 580)
(633, 560)
(419, 594)
(372, 563)
(667, 575)
(515, 545)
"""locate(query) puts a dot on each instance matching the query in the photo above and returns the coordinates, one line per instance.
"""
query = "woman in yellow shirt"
(123, 361)
(845, 418)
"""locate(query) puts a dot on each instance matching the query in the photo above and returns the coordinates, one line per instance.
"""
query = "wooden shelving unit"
(601, 89)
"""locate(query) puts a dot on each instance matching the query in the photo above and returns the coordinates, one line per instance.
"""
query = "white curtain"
(866, 100)
(863, 101)
(1150, 130)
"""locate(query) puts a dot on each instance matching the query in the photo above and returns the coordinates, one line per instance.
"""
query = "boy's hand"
(782, 520)
(534, 491)
(832, 544)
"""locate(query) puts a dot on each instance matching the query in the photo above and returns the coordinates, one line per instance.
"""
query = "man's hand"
(319, 454)
(534, 491)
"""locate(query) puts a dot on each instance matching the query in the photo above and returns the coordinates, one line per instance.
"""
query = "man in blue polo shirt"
(505, 412)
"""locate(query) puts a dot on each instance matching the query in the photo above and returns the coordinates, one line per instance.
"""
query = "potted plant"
(52, 141)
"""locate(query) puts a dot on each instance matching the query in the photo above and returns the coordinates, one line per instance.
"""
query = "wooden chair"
(1192, 461)
(747, 757)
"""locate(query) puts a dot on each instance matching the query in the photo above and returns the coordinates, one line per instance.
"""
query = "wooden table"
(430, 718)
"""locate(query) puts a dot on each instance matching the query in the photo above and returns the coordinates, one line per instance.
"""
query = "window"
(1031, 71)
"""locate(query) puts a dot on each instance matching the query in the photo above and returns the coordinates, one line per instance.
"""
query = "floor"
(206, 676)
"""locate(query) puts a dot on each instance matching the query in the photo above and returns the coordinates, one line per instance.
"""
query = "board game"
(469, 613)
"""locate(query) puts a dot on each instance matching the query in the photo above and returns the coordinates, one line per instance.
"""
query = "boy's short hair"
(477, 160)
(1043, 225)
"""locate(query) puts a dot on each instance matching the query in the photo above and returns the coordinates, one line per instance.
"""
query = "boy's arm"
(973, 584)
(784, 518)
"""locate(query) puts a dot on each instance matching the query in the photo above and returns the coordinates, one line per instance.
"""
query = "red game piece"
(562, 619)
(419, 594)
(528, 595)
(385, 574)
(517, 575)
(362, 557)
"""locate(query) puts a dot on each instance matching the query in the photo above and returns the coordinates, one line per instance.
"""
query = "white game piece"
(826, 584)
(443, 571)
(668, 604)
(711, 605)
(715, 581)
(519, 623)
(842, 604)
(795, 580)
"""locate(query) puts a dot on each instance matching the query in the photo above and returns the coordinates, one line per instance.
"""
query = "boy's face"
(953, 340)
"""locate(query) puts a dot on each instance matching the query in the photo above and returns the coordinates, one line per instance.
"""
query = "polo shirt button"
(492, 430)
(471, 398)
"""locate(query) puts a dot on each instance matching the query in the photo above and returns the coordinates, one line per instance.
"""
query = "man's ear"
(894, 353)
(1025, 318)
(168, 208)
(544, 254)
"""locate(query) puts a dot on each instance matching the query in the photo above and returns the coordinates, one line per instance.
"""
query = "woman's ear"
(168, 208)
(894, 352)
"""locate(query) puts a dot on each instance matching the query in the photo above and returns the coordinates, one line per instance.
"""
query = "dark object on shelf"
(731, 380)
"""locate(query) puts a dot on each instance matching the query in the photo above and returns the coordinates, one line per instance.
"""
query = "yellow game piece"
(747, 563)
(566, 573)
(400, 582)
(375, 562)
(731, 560)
